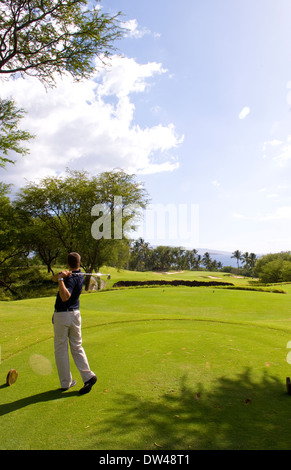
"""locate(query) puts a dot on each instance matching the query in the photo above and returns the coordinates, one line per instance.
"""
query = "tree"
(245, 257)
(274, 267)
(46, 38)
(194, 259)
(219, 265)
(238, 256)
(140, 255)
(272, 271)
(252, 260)
(42, 242)
(11, 138)
(63, 207)
(161, 258)
(13, 248)
(249, 261)
(206, 260)
(198, 262)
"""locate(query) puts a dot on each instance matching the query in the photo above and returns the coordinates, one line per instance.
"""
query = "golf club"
(92, 274)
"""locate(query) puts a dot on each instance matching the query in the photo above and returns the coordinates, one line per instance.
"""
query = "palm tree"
(246, 259)
(252, 260)
(219, 265)
(249, 260)
(140, 254)
(237, 254)
(198, 261)
(206, 260)
(192, 259)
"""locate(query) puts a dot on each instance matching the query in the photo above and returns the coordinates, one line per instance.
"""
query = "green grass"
(178, 367)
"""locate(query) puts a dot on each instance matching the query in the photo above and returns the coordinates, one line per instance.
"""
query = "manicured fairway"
(178, 368)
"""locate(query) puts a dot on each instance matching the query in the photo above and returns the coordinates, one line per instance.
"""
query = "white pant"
(67, 325)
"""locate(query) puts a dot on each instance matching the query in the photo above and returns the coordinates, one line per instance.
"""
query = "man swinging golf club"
(67, 326)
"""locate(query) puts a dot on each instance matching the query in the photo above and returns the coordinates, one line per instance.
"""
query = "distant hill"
(223, 257)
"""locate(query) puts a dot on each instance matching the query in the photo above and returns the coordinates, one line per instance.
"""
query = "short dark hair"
(74, 260)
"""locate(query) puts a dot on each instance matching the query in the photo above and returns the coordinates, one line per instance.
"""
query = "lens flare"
(41, 365)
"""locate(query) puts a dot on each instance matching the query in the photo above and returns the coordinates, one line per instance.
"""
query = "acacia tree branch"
(50, 37)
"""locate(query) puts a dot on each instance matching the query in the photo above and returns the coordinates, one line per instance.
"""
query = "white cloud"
(160, 167)
(134, 31)
(215, 183)
(244, 112)
(90, 125)
(282, 158)
(272, 195)
(156, 109)
(273, 143)
(278, 151)
(126, 76)
(236, 215)
(279, 214)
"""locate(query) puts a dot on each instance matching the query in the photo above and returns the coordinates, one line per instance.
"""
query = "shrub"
(274, 267)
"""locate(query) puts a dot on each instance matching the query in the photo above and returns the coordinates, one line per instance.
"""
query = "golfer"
(67, 326)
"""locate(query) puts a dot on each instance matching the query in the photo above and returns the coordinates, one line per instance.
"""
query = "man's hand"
(64, 274)
(61, 275)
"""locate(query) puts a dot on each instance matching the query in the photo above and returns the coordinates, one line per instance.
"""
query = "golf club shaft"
(90, 274)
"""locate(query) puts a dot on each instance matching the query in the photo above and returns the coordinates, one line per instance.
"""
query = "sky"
(197, 104)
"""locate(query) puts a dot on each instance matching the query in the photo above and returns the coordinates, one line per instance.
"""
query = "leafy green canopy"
(60, 214)
(44, 37)
(11, 138)
(274, 267)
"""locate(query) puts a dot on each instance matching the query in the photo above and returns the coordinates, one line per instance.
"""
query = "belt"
(67, 310)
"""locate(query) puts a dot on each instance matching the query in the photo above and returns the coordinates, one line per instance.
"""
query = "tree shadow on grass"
(237, 413)
(39, 397)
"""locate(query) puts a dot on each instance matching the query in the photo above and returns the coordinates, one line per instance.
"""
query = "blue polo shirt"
(74, 284)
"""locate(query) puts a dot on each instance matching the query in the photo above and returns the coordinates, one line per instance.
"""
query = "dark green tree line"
(143, 257)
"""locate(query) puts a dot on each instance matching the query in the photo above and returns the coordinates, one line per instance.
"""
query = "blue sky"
(199, 107)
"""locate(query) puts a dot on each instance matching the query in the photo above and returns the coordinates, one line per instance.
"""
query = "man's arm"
(63, 291)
